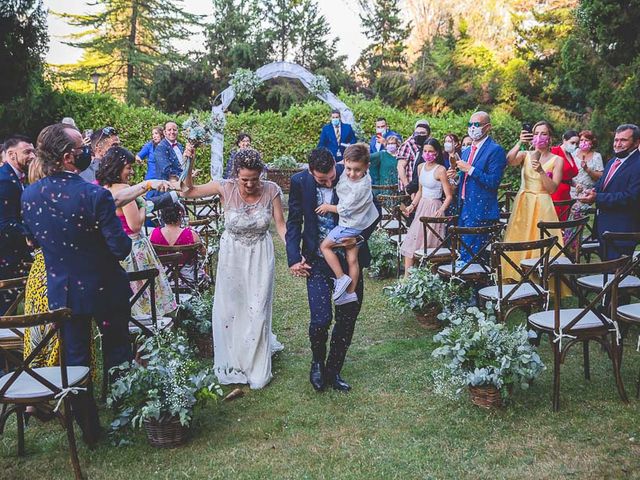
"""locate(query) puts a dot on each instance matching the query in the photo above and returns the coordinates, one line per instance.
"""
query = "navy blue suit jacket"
(13, 246)
(328, 139)
(619, 203)
(82, 240)
(302, 222)
(167, 163)
(372, 142)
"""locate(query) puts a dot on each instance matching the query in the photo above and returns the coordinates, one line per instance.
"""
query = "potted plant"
(195, 320)
(161, 392)
(485, 356)
(384, 255)
(280, 169)
(427, 295)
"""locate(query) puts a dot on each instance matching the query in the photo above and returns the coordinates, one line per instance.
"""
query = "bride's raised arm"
(189, 190)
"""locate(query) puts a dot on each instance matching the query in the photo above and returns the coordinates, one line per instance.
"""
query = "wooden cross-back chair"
(199, 208)
(189, 257)
(27, 386)
(590, 244)
(564, 206)
(12, 338)
(392, 219)
(569, 326)
(442, 253)
(526, 292)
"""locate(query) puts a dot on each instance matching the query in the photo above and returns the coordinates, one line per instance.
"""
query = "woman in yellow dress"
(541, 175)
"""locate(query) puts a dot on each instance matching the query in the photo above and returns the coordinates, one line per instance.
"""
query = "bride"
(242, 338)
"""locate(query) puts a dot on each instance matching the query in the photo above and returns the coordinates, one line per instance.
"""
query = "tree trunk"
(133, 32)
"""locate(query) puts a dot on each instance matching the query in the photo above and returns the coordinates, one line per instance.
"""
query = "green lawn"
(390, 426)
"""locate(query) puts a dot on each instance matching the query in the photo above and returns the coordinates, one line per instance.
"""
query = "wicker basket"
(486, 396)
(204, 343)
(282, 177)
(165, 433)
(429, 318)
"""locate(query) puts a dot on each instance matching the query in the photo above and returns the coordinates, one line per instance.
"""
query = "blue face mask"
(335, 122)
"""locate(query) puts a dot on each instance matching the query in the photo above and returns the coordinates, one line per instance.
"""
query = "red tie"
(174, 145)
(470, 162)
(612, 170)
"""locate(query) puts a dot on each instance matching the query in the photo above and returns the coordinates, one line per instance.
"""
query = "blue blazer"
(372, 142)
(328, 139)
(481, 191)
(13, 246)
(618, 204)
(82, 240)
(167, 163)
(302, 222)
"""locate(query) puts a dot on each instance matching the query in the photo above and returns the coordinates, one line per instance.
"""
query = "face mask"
(393, 148)
(625, 153)
(475, 132)
(83, 160)
(570, 148)
(466, 147)
(429, 157)
(381, 131)
(420, 139)
(585, 146)
(448, 147)
(335, 122)
(540, 142)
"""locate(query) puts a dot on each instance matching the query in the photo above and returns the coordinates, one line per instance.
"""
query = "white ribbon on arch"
(267, 72)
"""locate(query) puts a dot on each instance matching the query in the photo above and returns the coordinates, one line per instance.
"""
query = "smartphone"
(87, 133)
(527, 127)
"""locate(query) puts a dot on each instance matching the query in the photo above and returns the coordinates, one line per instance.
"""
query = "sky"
(342, 16)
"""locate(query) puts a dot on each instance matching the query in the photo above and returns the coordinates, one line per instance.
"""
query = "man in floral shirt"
(410, 152)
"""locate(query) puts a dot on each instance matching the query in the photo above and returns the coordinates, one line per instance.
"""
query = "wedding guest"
(19, 153)
(69, 121)
(356, 213)
(433, 183)
(589, 162)
(617, 193)
(101, 141)
(566, 150)
(147, 152)
(169, 154)
(242, 141)
(410, 153)
(384, 164)
(465, 143)
(75, 224)
(336, 136)
(451, 153)
(115, 172)
(379, 141)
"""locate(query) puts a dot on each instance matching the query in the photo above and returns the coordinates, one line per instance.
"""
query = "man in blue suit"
(82, 240)
(378, 141)
(19, 153)
(481, 170)
(336, 136)
(169, 154)
(310, 189)
(617, 193)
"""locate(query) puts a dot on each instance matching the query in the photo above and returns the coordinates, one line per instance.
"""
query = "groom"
(310, 189)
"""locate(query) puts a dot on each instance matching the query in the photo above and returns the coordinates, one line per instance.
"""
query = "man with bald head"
(481, 170)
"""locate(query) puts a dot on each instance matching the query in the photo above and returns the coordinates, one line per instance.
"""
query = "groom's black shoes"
(337, 383)
(316, 376)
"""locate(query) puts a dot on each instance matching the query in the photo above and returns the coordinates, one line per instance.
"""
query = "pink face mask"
(429, 157)
(585, 146)
(540, 142)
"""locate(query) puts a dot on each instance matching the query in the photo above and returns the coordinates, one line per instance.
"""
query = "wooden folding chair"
(28, 386)
(392, 219)
(526, 293)
(590, 245)
(190, 252)
(442, 253)
(564, 206)
(171, 263)
(568, 326)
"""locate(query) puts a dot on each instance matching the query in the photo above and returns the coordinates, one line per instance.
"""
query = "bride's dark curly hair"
(249, 159)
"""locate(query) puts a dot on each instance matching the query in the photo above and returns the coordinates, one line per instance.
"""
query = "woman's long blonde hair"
(35, 171)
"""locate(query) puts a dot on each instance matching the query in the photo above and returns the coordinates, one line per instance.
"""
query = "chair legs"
(556, 375)
(585, 354)
(615, 358)
(68, 420)
(20, 423)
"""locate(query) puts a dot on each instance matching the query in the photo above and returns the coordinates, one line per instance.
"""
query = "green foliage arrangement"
(383, 255)
(195, 314)
(423, 290)
(245, 82)
(168, 382)
(283, 162)
(477, 351)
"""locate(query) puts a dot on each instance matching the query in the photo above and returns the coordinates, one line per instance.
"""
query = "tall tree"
(385, 26)
(130, 38)
(283, 19)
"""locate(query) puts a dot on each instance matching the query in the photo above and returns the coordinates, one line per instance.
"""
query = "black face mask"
(625, 153)
(420, 139)
(83, 160)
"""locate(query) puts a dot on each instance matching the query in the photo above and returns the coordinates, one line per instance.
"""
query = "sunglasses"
(106, 132)
(476, 124)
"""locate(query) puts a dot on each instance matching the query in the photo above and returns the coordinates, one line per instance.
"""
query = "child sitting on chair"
(356, 212)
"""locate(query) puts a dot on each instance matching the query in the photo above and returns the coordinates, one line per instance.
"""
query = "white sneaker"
(346, 298)
(341, 285)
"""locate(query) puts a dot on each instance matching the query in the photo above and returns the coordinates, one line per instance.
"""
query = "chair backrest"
(147, 277)
(509, 197)
(564, 206)
(14, 287)
(53, 318)
(611, 238)
(459, 245)
(551, 229)
(429, 228)
(614, 271)
(391, 189)
(171, 263)
(591, 213)
(203, 207)
(392, 204)
(500, 253)
(189, 258)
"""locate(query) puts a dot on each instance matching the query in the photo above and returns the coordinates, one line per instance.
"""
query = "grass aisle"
(389, 426)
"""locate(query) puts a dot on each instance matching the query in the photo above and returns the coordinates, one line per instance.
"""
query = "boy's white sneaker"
(341, 285)
(346, 297)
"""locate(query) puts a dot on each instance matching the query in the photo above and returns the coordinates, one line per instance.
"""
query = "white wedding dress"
(242, 338)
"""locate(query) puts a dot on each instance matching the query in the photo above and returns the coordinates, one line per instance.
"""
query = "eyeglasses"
(476, 124)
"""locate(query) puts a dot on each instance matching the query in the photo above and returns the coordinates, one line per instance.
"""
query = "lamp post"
(95, 77)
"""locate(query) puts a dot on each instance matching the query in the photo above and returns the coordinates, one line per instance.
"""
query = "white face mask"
(381, 131)
(570, 148)
(475, 132)
(448, 147)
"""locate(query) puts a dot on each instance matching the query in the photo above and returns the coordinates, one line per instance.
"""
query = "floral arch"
(243, 84)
